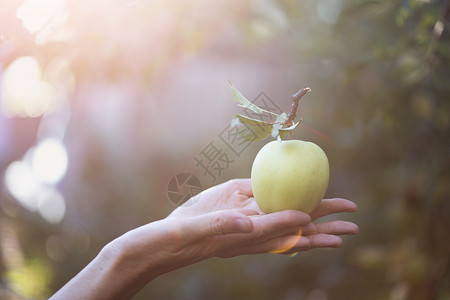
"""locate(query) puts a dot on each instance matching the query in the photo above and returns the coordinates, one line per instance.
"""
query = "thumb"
(220, 223)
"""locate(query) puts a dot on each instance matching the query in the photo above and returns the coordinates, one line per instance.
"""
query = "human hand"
(282, 232)
(224, 221)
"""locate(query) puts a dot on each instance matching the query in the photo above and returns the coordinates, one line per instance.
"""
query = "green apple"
(289, 174)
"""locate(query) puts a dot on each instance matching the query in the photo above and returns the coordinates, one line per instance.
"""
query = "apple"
(289, 174)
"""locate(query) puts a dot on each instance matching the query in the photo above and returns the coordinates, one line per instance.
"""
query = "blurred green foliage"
(380, 78)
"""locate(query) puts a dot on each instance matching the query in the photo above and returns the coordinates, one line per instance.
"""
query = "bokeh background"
(103, 102)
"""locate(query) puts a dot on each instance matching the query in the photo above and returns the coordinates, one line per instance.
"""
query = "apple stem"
(293, 113)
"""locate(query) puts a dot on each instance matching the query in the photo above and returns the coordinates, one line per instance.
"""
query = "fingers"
(250, 203)
(317, 241)
(291, 244)
(312, 236)
(215, 223)
(331, 206)
(284, 232)
(278, 245)
(244, 185)
(314, 241)
(248, 211)
(333, 227)
(295, 239)
(265, 226)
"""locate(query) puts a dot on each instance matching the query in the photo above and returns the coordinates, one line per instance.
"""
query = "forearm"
(108, 276)
(128, 263)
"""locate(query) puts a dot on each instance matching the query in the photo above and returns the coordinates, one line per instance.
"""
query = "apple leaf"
(255, 130)
(242, 101)
(277, 124)
(251, 129)
(283, 131)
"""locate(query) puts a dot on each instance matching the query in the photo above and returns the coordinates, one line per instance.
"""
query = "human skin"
(223, 221)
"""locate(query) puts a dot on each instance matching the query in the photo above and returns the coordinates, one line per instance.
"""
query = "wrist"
(155, 249)
(130, 264)
(144, 253)
(107, 276)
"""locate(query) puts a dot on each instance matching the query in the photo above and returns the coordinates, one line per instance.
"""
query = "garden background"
(104, 102)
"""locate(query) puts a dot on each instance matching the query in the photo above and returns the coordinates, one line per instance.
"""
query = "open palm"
(274, 232)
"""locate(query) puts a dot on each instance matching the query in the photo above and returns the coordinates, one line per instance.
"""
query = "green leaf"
(251, 129)
(242, 101)
(277, 124)
(283, 131)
